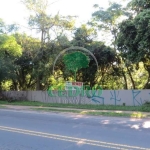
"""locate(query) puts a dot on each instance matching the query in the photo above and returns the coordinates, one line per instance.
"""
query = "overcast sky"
(13, 11)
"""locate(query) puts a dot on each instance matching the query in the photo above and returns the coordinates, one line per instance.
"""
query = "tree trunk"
(0, 86)
(133, 83)
(38, 83)
(125, 80)
(147, 85)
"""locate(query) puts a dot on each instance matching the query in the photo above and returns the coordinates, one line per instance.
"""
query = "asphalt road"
(32, 130)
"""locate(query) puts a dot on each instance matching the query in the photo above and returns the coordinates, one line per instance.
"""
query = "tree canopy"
(118, 37)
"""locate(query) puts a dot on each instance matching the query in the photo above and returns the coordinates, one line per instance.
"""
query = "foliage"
(9, 46)
(5, 29)
(50, 28)
(139, 5)
(133, 40)
(44, 23)
(107, 18)
(26, 62)
(84, 36)
(9, 52)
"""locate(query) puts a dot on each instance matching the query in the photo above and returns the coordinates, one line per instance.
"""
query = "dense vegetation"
(26, 63)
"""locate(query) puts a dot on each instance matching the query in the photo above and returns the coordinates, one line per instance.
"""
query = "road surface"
(33, 130)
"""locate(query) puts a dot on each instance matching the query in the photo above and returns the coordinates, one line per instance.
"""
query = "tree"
(9, 46)
(5, 29)
(27, 64)
(133, 40)
(139, 5)
(50, 27)
(10, 50)
(44, 23)
(84, 36)
(75, 61)
(107, 20)
(106, 56)
(2, 26)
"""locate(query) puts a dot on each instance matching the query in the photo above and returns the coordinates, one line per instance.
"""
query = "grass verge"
(144, 108)
(96, 113)
(2, 106)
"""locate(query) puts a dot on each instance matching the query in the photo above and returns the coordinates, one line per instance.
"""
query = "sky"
(13, 11)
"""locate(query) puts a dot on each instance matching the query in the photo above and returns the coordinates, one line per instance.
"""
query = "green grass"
(96, 113)
(144, 108)
(2, 106)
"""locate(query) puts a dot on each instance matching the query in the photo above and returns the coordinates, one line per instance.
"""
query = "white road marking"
(73, 139)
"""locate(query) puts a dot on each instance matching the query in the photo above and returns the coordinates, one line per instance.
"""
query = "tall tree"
(107, 20)
(133, 40)
(27, 63)
(139, 5)
(9, 52)
(50, 27)
(84, 36)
